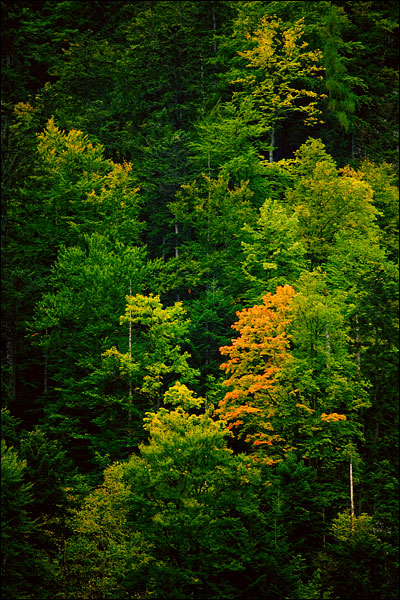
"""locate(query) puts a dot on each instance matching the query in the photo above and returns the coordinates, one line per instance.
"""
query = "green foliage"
(209, 215)
(103, 550)
(156, 357)
(9, 427)
(340, 85)
(49, 470)
(328, 202)
(73, 327)
(383, 181)
(211, 314)
(157, 164)
(181, 519)
(179, 395)
(225, 142)
(273, 253)
(24, 569)
(358, 560)
(78, 189)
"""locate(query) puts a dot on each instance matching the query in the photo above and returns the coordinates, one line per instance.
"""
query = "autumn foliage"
(255, 360)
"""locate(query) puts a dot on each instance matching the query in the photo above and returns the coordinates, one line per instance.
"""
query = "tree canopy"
(199, 299)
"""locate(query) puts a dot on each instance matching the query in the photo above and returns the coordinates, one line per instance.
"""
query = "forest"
(199, 330)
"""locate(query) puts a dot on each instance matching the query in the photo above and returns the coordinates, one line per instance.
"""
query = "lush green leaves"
(158, 179)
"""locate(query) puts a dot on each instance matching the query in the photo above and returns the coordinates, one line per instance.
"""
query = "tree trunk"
(328, 345)
(203, 93)
(10, 352)
(271, 150)
(176, 240)
(45, 373)
(358, 348)
(130, 356)
(351, 492)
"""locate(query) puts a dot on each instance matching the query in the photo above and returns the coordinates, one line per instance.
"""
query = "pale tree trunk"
(351, 492)
(203, 94)
(328, 345)
(271, 150)
(10, 353)
(358, 348)
(130, 356)
(214, 29)
(176, 240)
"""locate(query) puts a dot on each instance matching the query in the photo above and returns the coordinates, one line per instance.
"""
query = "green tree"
(272, 251)
(211, 314)
(224, 141)
(73, 325)
(370, 282)
(210, 213)
(342, 98)
(71, 190)
(89, 284)
(375, 28)
(79, 191)
(383, 180)
(358, 560)
(25, 570)
(104, 550)
(326, 401)
(155, 358)
(184, 518)
(328, 201)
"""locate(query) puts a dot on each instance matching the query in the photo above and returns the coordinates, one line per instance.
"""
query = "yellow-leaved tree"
(281, 68)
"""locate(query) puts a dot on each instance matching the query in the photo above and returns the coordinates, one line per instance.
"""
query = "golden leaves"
(333, 417)
(255, 359)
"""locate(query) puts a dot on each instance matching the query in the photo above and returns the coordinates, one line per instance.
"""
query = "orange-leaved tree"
(255, 362)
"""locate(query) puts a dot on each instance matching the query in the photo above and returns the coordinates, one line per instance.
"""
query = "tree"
(211, 314)
(358, 560)
(183, 518)
(328, 201)
(342, 99)
(273, 252)
(156, 358)
(211, 213)
(73, 325)
(326, 399)
(382, 179)
(280, 65)
(224, 141)
(70, 191)
(79, 191)
(256, 359)
(375, 28)
(25, 570)
(103, 550)
(90, 282)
